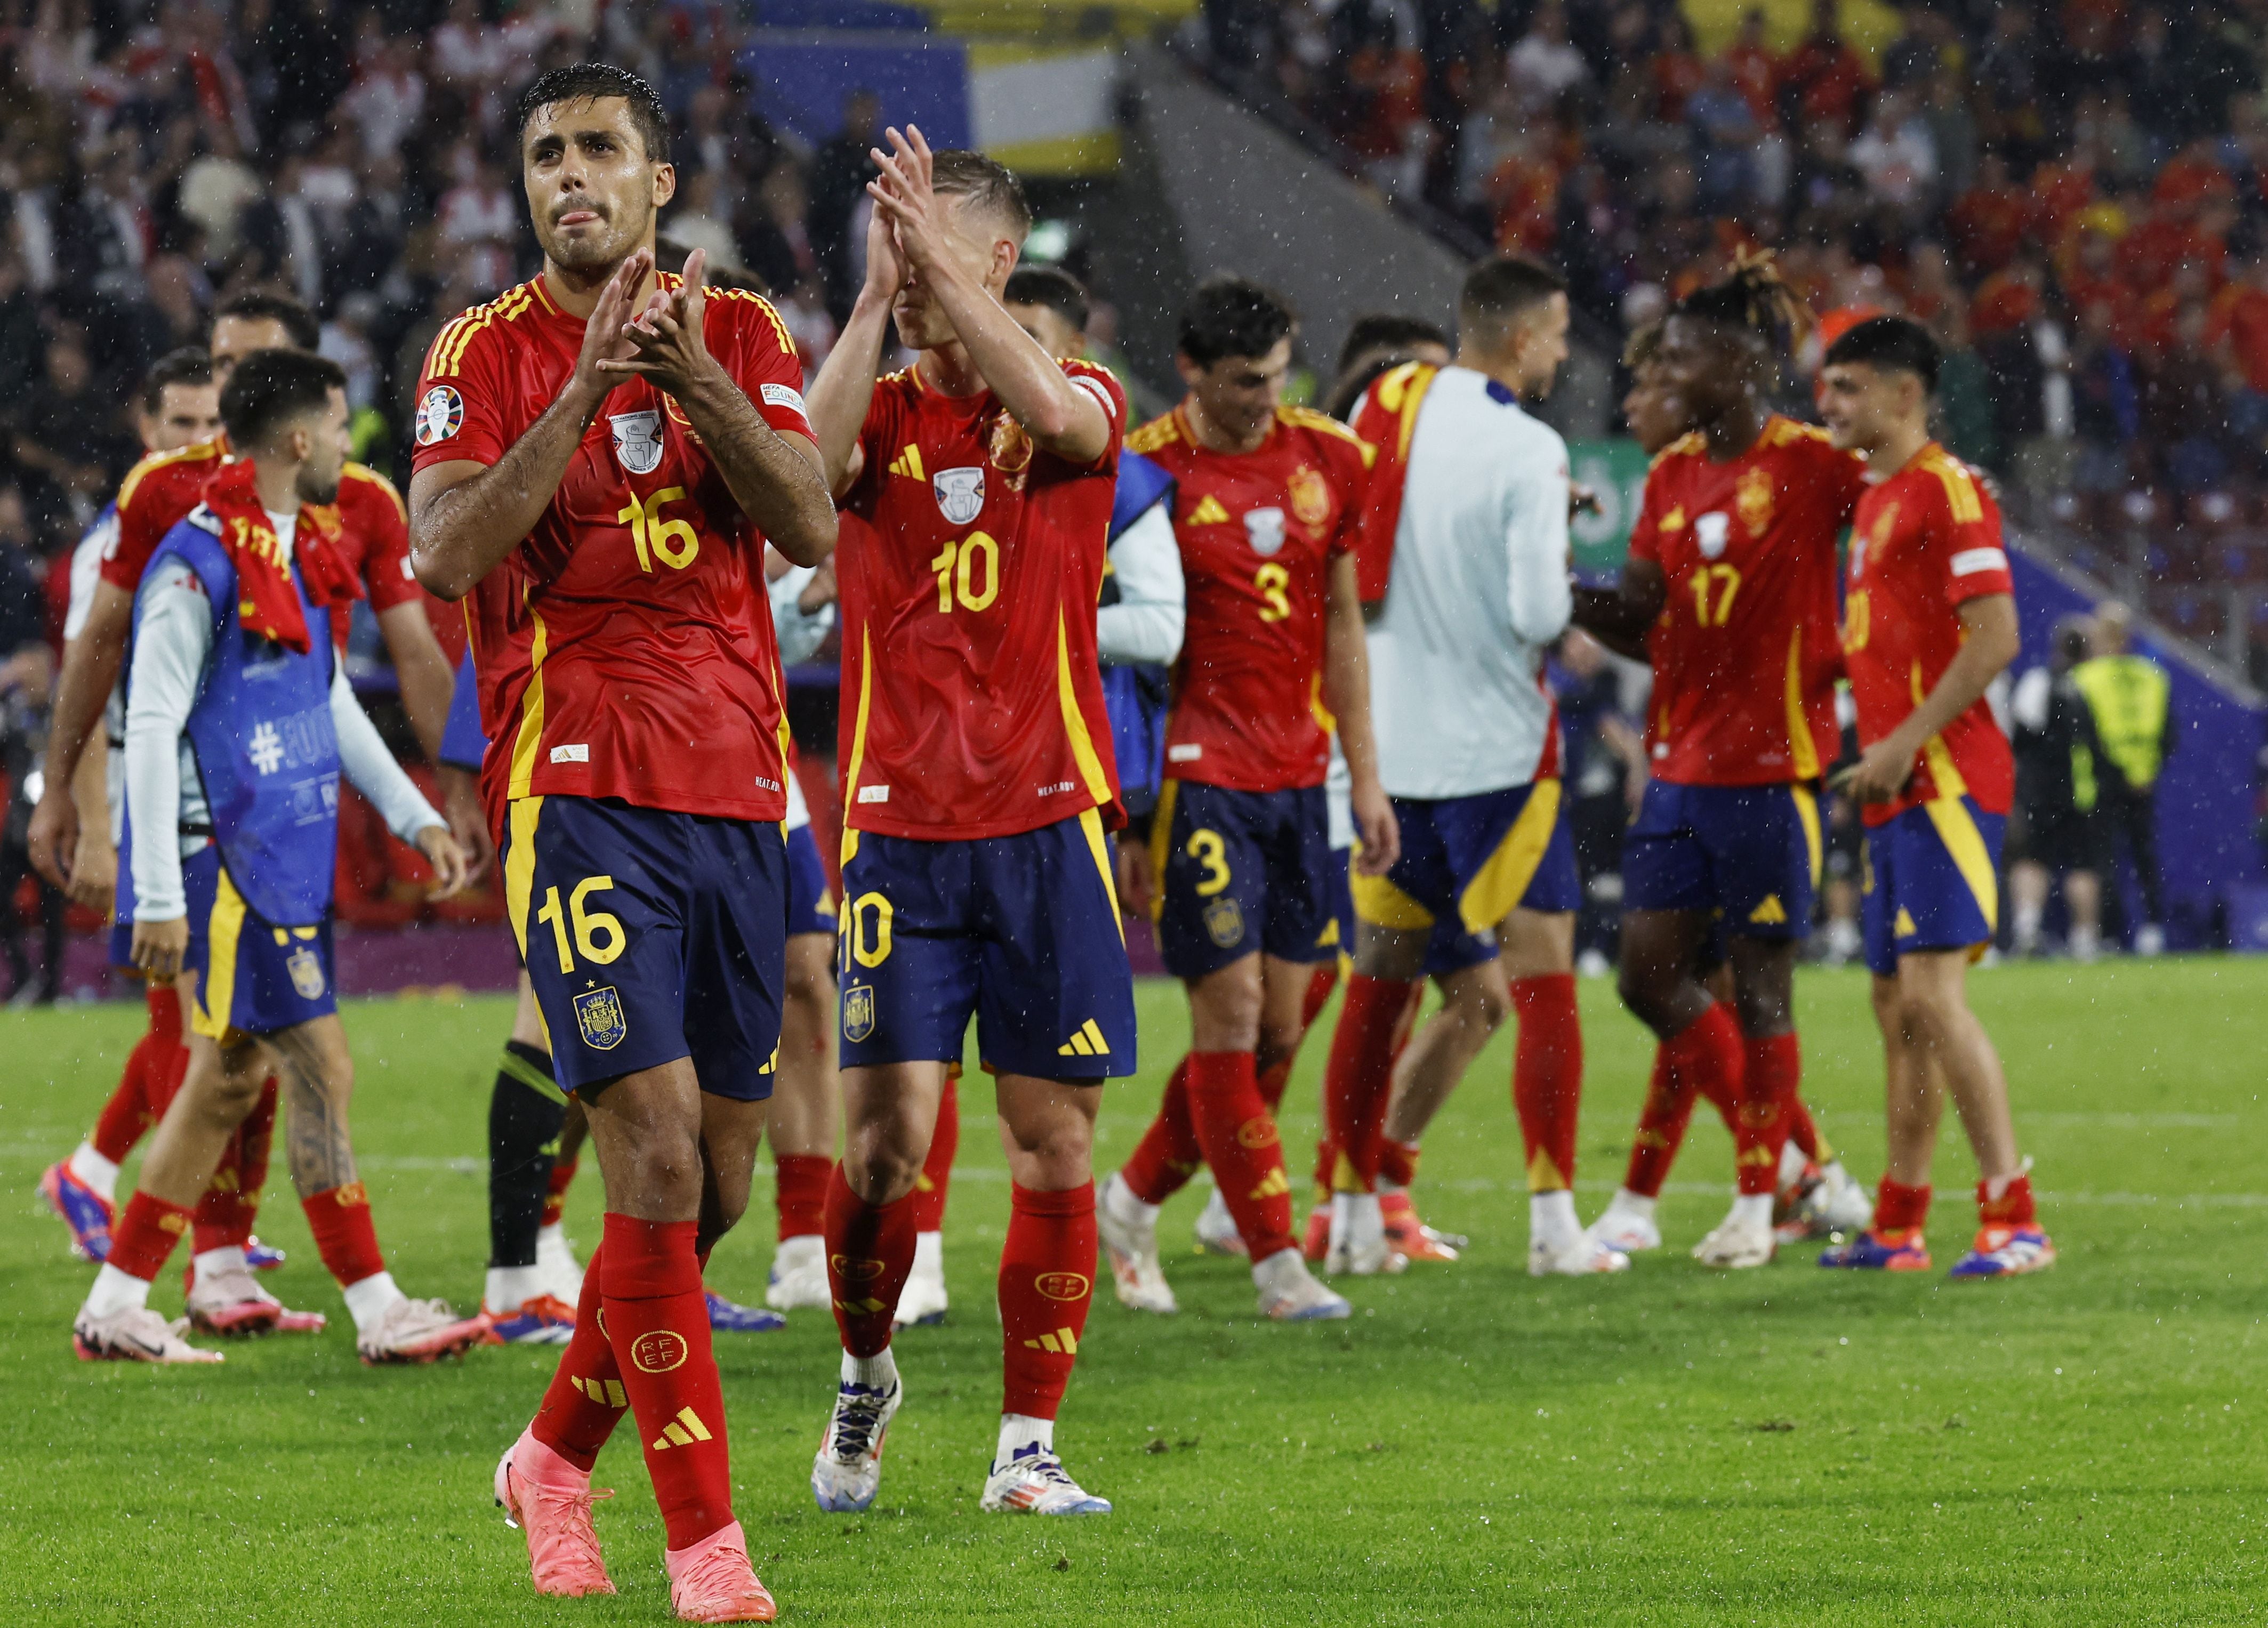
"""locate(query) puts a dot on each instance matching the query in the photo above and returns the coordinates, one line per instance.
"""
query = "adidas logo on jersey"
(1209, 512)
(1085, 1042)
(908, 464)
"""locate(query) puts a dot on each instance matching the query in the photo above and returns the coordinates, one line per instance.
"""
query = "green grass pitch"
(1672, 1446)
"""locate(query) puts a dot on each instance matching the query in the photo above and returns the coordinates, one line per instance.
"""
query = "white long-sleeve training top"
(1145, 624)
(85, 576)
(800, 633)
(162, 789)
(1479, 590)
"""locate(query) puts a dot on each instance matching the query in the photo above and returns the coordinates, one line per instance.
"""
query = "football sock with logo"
(585, 1399)
(1360, 1074)
(870, 1250)
(936, 1178)
(1168, 1153)
(1547, 1077)
(657, 1318)
(1047, 1283)
(148, 1228)
(525, 1111)
(1771, 1068)
(1239, 1137)
(231, 1201)
(2011, 1206)
(801, 1181)
(1897, 1207)
(347, 1240)
(1707, 1058)
(1662, 1125)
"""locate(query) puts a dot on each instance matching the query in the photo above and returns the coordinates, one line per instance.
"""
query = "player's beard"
(317, 488)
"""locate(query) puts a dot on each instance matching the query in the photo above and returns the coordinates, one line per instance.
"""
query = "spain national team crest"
(440, 415)
(857, 1012)
(1711, 533)
(637, 440)
(959, 493)
(1311, 496)
(307, 970)
(599, 1015)
(1264, 529)
(1224, 919)
(1755, 501)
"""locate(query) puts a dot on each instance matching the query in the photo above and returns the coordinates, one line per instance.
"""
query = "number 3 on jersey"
(1272, 579)
(968, 573)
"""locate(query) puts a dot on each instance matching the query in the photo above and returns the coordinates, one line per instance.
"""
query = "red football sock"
(1168, 1154)
(936, 1178)
(870, 1250)
(163, 1082)
(1321, 983)
(231, 1200)
(585, 1399)
(1897, 1208)
(1708, 1057)
(554, 1197)
(1397, 1161)
(2013, 1208)
(1547, 1077)
(802, 1179)
(1047, 1283)
(145, 1234)
(127, 1117)
(344, 1236)
(1805, 1134)
(1772, 1069)
(1660, 1128)
(1359, 1076)
(1241, 1144)
(657, 1320)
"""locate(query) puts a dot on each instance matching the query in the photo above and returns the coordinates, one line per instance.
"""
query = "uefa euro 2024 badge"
(637, 440)
(1264, 529)
(959, 493)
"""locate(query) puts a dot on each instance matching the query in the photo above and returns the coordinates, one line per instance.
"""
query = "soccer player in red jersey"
(1929, 622)
(978, 786)
(1730, 586)
(1267, 501)
(603, 452)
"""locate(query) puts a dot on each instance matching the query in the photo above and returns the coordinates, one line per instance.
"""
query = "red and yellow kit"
(624, 650)
(972, 702)
(1385, 419)
(1744, 659)
(1927, 540)
(1258, 531)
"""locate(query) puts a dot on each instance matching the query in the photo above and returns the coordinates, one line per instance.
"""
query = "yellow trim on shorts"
(1497, 888)
(1090, 821)
(1380, 903)
(1161, 845)
(520, 883)
(1957, 830)
(1806, 810)
(216, 995)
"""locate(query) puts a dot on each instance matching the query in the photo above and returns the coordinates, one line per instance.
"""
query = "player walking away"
(1929, 622)
(602, 453)
(978, 787)
(1731, 586)
(2058, 790)
(1268, 502)
(238, 721)
(1467, 538)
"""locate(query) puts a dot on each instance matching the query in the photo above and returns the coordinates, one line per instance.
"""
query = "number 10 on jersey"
(968, 573)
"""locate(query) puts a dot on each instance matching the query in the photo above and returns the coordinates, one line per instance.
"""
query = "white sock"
(510, 1287)
(1633, 1204)
(803, 1249)
(1551, 1218)
(1020, 1430)
(115, 1291)
(2085, 940)
(550, 1239)
(2027, 923)
(1790, 1163)
(1752, 1210)
(878, 1372)
(228, 1258)
(1283, 1268)
(96, 1171)
(1124, 1206)
(369, 1300)
(928, 1255)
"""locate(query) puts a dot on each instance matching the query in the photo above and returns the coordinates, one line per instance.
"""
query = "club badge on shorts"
(307, 970)
(857, 1012)
(1224, 920)
(959, 493)
(440, 415)
(637, 440)
(599, 1015)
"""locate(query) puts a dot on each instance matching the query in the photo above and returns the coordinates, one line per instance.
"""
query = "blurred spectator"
(2129, 700)
(69, 437)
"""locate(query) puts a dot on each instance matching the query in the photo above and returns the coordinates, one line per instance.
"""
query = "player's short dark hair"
(985, 183)
(1050, 286)
(1229, 315)
(1387, 330)
(589, 81)
(271, 387)
(1888, 344)
(189, 366)
(1503, 289)
(296, 319)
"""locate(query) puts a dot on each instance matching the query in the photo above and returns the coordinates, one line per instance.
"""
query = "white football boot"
(1289, 1293)
(848, 1471)
(1837, 1203)
(1743, 1239)
(135, 1334)
(1130, 1238)
(799, 1275)
(1033, 1482)
(1359, 1246)
(1628, 1223)
(1216, 1228)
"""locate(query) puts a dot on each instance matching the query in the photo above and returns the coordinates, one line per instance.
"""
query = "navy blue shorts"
(1240, 873)
(1021, 932)
(1748, 852)
(1448, 949)
(253, 976)
(810, 904)
(1931, 881)
(1468, 862)
(650, 935)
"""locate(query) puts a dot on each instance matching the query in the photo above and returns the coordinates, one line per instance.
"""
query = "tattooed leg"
(316, 1075)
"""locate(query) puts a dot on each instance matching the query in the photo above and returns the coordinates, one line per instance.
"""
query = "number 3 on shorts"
(598, 935)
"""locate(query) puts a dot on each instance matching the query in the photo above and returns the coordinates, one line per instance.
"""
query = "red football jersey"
(972, 702)
(625, 649)
(1258, 531)
(1927, 540)
(366, 524)
(1744, 659)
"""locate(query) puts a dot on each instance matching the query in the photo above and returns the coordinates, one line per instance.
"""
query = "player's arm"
(91, 665)
(373, 771)
(458, 768)
(1988, 643)
(845, 390)
(1146, 622)
(1057, 414)
(777, 478)
(1346, 692)
(169, 660)
(422, 671)
(466, 515)
(1537, 549)
(95, 860)
(1619, 617)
